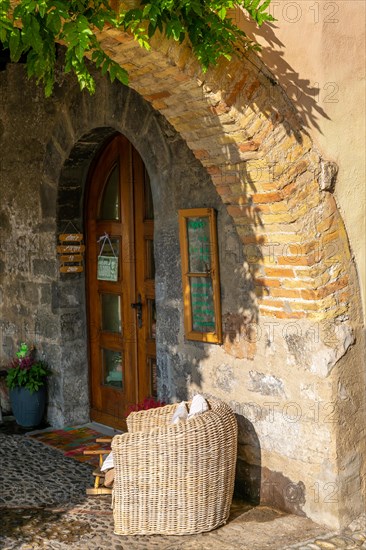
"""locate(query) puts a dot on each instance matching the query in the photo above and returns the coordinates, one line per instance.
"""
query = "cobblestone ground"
(43, 506)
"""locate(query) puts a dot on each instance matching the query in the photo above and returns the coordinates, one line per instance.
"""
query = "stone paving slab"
(43, 506)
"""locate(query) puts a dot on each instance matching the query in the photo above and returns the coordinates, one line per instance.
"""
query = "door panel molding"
(110, 403)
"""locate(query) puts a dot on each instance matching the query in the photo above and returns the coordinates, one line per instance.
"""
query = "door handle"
(138, 307)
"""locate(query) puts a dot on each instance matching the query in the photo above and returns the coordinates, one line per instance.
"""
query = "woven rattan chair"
(174, 479)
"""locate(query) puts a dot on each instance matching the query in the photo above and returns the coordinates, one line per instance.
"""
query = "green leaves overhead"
(257, 10)
(33, 28)
(205, 23)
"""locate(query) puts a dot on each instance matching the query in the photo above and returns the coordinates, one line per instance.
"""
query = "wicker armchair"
(174, 479)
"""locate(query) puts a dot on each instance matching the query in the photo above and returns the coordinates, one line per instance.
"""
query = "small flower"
(147, 403)
(26, 370)
(26, 363)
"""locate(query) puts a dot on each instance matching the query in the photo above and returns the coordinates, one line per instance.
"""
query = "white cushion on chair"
(199, 405)
(180, 413)
(108, 463)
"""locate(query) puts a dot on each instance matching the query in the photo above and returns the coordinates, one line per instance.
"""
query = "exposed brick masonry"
(263, 164)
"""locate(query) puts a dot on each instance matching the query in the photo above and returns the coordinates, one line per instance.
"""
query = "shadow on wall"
(238, 260)
(303, 93)
(248, 477)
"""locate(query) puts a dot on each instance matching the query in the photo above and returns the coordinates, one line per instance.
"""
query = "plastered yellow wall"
(316, 50)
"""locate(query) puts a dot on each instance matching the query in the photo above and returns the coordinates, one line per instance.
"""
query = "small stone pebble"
(340, 542)
(359, 536)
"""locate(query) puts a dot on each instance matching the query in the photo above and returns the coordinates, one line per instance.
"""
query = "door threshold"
(103, 429)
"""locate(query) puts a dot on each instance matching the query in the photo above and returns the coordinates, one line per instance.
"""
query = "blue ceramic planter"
(28, 408)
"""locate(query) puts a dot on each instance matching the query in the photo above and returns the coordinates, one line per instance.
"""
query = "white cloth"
(108, 463)
(199, 405)
(180, 413)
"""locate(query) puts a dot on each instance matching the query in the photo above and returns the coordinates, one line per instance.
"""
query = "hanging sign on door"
(107, 264)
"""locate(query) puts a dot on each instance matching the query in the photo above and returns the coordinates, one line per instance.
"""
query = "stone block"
(63, 135)
(45, 268)
(48, 326)
(70, 295)
(72, 326)
(53, 162)
(46, 293)
(224, 378)
(48, 196)
(4, 220)
(77, 114)
(328, 176)
(266, 384)
(29, 292)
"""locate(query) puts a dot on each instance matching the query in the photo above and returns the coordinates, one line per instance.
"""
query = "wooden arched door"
(120, 283)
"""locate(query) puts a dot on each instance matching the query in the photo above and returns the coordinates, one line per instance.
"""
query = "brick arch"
(244, 131)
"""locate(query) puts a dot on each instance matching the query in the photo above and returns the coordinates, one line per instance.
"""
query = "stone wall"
(291, 362)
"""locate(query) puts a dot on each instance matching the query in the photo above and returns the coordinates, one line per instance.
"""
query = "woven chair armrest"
(142, 421)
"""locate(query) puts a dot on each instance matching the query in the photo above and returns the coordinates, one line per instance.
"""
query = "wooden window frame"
(214, 337)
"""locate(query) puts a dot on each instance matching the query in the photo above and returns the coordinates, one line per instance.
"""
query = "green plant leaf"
(33, 27)
(14, 43)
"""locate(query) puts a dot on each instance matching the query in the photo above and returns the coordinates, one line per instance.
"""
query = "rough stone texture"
(291, 362)
(329, 171)
(265, 385)
(319, 357)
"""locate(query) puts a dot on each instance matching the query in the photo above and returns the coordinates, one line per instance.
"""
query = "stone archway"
(291, 364)
(177, 180)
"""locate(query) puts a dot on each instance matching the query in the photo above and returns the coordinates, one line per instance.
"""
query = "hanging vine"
(31, 29)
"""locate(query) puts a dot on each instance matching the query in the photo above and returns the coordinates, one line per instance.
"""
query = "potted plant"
(26, 380)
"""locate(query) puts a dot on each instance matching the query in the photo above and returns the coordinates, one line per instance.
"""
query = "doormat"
(73, 441)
